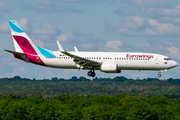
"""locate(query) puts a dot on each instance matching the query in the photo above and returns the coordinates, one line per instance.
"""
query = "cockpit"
(167, 59)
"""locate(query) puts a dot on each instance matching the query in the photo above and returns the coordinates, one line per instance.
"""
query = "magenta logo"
(165, 62)
(139, 56)
(37, 58)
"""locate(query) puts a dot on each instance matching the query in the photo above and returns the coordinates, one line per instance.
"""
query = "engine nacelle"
(109, 68)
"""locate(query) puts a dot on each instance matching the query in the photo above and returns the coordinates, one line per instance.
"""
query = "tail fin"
(22, 42)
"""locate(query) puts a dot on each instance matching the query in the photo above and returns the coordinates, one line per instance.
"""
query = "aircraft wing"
(82, 61)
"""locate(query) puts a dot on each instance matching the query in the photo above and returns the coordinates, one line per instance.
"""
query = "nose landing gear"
(91, 73)
(159, 75)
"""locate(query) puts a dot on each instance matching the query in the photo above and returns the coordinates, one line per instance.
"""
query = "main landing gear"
(91, 73)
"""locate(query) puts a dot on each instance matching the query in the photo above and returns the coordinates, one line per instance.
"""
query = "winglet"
(76, 50)
(60, 47)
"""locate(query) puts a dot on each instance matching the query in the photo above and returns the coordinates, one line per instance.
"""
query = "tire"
(159, 75)
(89, 73)
(93, 74)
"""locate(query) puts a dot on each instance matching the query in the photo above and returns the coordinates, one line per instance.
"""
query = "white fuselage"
(124, 61)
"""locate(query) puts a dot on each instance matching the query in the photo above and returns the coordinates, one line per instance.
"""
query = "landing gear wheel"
(159, 75)
(93, 74)
(89, 73)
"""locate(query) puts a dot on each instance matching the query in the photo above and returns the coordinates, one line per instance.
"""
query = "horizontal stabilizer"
(13, 52)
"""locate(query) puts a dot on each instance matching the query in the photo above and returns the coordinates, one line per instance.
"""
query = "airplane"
(108, 62)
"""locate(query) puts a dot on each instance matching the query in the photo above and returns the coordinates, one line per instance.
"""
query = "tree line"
(116, 98)
(50, 88)
(76, 107)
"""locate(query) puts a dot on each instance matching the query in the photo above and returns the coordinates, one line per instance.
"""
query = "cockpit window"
(167, 59)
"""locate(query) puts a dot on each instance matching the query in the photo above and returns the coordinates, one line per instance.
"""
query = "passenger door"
(157, 60)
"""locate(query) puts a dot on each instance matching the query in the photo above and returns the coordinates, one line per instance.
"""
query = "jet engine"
(109, 68)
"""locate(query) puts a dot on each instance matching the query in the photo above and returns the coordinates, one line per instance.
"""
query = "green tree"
(139, 111)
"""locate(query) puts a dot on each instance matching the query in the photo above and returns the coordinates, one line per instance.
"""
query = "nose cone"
(174, 64)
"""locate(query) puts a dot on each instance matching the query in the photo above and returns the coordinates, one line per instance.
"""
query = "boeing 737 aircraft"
(108, 62)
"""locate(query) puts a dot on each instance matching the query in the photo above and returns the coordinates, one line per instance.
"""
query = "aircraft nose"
(175, 64)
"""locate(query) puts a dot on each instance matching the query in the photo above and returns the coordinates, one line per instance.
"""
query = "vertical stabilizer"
(22, 42)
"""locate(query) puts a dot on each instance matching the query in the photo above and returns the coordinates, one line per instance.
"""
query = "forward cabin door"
(157, 60)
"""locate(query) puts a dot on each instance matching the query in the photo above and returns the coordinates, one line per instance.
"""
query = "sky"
(151, 26)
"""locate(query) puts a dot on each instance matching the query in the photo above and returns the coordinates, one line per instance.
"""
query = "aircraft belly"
(60, 64)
